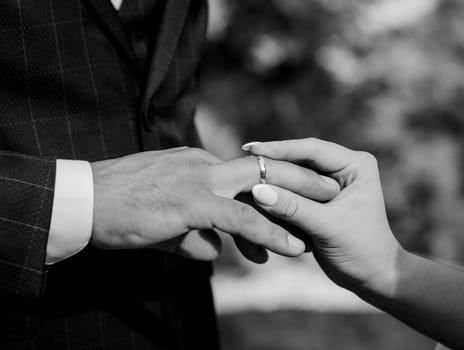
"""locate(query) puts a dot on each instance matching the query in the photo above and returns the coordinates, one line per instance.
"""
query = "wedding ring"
(262, 170)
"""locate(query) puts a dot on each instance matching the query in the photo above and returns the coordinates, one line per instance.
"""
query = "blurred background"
(385, 76)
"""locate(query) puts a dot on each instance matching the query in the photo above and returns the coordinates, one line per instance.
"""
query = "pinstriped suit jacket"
(79, 81)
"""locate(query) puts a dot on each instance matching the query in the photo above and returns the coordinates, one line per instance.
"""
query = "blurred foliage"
(385, 76)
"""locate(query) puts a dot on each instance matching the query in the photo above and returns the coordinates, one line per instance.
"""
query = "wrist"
(98, 217)
(111, 187)
(384, 284)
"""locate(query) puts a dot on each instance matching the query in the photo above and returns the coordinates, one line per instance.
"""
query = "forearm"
(428, 296)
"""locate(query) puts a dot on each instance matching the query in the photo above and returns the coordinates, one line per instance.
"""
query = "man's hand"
(164, 199)
(351, 236)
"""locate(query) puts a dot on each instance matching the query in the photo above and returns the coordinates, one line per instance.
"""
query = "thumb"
(291, 207)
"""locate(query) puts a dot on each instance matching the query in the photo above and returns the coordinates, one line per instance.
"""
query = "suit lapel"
(108, 18)
(172, 23)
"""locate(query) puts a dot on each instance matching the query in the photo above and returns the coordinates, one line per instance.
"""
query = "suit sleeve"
(26, 201)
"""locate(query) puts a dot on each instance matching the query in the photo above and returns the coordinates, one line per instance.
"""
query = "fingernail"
(247, 146)
(296, 243)
(265, 194)
(331, 181)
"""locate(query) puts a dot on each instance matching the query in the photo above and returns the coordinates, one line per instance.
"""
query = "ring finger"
(241, 174)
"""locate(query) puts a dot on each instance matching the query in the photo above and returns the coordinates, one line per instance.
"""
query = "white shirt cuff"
(72, 213)
(117, 4)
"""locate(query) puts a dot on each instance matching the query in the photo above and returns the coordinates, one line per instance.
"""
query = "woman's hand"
(352, 239)
(354, 245)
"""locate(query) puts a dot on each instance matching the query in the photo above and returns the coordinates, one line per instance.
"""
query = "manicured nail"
(296, 243)
(247, 146)
(265, 195)
(331, 181)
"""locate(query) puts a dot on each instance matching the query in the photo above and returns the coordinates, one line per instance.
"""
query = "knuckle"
(290, 208)
(247, 215)
(277, 236)
(197, 152)
(201, 153)
(310, 140)
(312, 145)
(251, 158)
(308, 179)
(368, 158)
(199, 158)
